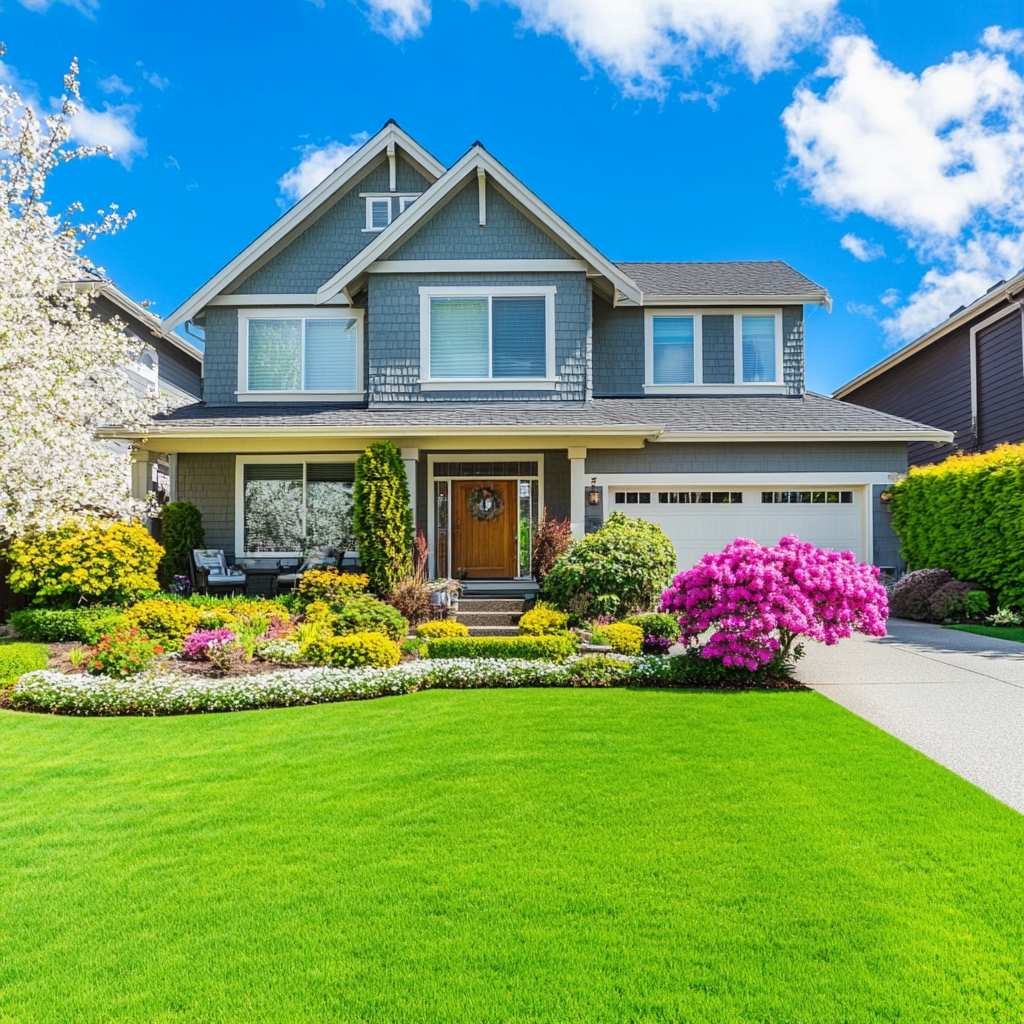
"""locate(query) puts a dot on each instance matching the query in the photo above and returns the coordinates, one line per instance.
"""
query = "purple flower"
(197, 645)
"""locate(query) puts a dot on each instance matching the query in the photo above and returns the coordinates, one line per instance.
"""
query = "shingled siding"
(393, 333)
(220, 377)
(208, 481)
(757, 457)
(619, 349)
(455, 233)
(1000, 382)
(319, 252)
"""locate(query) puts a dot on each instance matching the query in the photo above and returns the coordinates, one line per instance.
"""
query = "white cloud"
(115, 84)
(924, 152)
(316, 163)
(86, 7)
(995, 37)
(861, 309)
(112, 127)
(397, 19)
(890, 297)
(709, 95)
(155, 80)
(938, 155)
(860, 248)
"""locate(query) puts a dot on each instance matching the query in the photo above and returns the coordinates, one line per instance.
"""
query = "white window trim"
(241, 461)
(245, 394)
(404, 202)
(370, 201)
(698, 386)
(489, 383)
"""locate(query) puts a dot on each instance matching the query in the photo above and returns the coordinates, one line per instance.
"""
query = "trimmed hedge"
(65, 625)
(552, 647)
(966, 515)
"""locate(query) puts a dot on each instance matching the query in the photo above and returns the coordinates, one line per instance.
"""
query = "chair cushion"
(321, 558)
(234, 576)
(211, 559)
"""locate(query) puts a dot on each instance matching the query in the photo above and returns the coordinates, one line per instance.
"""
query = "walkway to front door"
(484, 519)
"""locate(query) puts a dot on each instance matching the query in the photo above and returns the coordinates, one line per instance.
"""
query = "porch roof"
(691, 417)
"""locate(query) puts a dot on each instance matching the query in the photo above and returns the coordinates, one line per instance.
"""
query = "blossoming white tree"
(60, 376)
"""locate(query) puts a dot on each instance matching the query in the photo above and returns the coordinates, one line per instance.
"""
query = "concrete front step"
(490, 604)
(487, 618)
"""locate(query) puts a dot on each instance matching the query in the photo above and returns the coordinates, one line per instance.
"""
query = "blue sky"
(778, 129)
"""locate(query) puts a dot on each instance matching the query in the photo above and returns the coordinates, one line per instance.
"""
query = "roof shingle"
(740, 277)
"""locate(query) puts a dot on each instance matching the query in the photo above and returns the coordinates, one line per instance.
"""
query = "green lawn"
(17, 657)
(1015, 633)
(534, 855)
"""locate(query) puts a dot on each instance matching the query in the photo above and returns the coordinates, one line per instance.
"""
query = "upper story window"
(383, 207)
(703, 350)
(487, 337)
(304, 354)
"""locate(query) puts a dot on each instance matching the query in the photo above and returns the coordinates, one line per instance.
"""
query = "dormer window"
(378, 212)
(708, 351)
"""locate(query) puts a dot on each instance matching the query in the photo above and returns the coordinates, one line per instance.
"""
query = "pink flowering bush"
(758, 600)
(197, 645)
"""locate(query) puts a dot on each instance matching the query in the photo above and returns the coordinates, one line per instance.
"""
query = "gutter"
(815, 298)
(914, 434)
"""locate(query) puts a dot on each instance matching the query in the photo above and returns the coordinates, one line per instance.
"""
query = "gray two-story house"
(519, 370)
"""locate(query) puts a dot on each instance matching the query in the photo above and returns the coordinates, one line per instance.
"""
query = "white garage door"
(699, 521)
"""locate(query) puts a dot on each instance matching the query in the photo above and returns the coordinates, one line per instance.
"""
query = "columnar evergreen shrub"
(620, 568)
(85, 562)
(181, 531)
(382, 516)
(759, 600)
(965, 515)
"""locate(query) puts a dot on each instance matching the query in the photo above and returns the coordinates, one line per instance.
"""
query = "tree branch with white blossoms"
(61, 375)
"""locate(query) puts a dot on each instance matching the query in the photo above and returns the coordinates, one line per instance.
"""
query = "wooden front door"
(484, 542)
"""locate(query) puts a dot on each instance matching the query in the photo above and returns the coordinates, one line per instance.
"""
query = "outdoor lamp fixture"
(593, 492)
(885, 497)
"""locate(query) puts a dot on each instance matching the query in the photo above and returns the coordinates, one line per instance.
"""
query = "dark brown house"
(966, 375)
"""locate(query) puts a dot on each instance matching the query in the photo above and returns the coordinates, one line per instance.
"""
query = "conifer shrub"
(181, 532)
(382, 516)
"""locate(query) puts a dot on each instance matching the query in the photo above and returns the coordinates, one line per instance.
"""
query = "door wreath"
(485, 503)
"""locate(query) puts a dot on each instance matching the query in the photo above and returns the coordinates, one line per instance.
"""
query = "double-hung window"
(689, 350)
(312, 354)
(495, 337)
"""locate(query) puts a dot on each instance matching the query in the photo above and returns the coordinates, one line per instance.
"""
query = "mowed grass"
(1014, 633)
(616, 855)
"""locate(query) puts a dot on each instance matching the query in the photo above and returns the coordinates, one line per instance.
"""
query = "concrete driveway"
(956, 697)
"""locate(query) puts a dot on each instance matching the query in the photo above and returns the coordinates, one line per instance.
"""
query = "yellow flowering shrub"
(542, 619)
(621, 637)
(88, 561)
(441, 627)
(330, 585)
(363, 650)
(163, 619)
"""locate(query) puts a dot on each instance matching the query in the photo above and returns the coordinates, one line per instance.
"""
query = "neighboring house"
(168, 365)
(965, 375)
(517, 368)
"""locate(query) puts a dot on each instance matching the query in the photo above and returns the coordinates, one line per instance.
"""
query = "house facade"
(518, 369)
(965, 375)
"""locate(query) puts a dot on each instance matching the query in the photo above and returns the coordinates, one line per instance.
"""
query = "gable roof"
(391, 135)
(476, 161)
(998, 293)
(747, 280)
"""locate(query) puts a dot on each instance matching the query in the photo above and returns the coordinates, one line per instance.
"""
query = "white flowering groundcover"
(169, 693)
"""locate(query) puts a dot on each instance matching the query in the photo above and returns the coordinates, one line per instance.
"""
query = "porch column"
(142, 469)
(577, 490)
(409, 458)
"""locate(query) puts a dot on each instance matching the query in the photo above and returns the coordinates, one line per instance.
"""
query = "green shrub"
(621, 637)
(619, 569)
(442, 627)
(62, 625)
(382, 516)
(88, 562)
(542, 619)
(965, 515)
(181, 532)
(362, 650)
(122, 653)
(366, 613)
(329, 585)
(17, 659)
(554, 647)
(164, 620)
(976, 604)
(599, 670)
(414, 646)
(1005, 617)
(657, 624)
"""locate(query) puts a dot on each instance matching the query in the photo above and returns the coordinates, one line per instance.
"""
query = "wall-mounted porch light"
(593, 492)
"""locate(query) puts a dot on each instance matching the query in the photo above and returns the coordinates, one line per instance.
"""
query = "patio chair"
(211, 573)
(321, 558)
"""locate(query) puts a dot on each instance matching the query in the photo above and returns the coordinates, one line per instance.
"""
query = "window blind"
(758, 349)
(518, 337)
(673, 349)
(331, 355)
(275, 357)
(458, 337)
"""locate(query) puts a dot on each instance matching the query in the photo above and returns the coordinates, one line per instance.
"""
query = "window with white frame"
(288, 506)
(702, 349)
(404, 202)
(503, 336)
(295, 352)
(378, 212)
